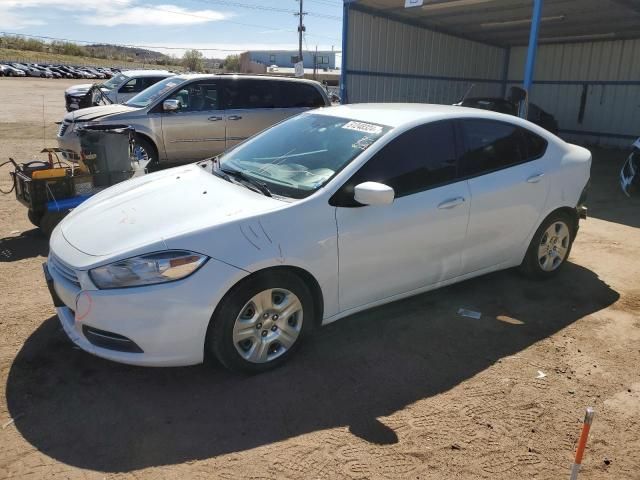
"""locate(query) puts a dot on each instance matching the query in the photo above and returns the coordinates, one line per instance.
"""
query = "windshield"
(298, 156)
(151, 94)
(113, 82)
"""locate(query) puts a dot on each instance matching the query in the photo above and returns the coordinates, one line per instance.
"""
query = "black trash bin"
(106, 151)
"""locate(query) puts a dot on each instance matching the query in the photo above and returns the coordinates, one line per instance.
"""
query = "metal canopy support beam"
(531, 53)
(345, 48)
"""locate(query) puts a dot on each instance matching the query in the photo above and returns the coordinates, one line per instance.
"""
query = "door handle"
(535, 178)
(454, 202)
(234, 117)
(214, 119)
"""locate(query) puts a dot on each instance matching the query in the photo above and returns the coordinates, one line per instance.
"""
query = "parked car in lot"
(117, 89)
(630, 173)
(535, 114)
(326, 214)
(191, 117)
(28, 70)
(9, 71)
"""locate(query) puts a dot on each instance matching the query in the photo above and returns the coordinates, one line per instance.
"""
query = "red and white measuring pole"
(582, 443)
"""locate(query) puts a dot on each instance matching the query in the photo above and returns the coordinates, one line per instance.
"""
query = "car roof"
(400, 114)
(194, 76)
(146, 73)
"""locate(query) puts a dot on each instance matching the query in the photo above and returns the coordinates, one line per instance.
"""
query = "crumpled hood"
(152, 208)
(77, 90)
(94, 113)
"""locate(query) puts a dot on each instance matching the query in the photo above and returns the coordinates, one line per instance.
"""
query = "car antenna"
(464, 97)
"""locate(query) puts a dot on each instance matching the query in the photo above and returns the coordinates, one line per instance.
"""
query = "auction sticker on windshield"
(363, 127)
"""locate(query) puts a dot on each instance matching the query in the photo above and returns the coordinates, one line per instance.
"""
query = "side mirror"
(171, 105)
(373, 193)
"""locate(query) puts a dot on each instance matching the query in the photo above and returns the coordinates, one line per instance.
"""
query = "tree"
(232, 63)
(192, 60)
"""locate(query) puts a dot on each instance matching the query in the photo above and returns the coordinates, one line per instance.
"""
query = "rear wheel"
(34, 217)
(261, 322)
(550, 246)
(50, 220)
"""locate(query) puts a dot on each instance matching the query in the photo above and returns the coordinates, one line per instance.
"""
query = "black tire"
(220, 341)
(34, 217)
(50, 220)
(531, 265)
(151, 151)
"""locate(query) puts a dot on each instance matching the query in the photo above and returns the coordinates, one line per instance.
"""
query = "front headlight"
(154, 268)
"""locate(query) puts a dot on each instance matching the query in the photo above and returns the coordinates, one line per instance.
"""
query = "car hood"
(81, 89)
(94, 113)
(153, 208)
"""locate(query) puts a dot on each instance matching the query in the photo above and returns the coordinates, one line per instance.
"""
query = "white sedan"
(321, 216)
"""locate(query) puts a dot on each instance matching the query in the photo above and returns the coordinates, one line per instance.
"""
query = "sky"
(222, 27)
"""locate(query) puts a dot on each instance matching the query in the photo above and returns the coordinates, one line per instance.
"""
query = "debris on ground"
(463, 312)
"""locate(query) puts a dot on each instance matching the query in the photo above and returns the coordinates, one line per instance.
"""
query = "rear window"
(271, 94)
(299, 95)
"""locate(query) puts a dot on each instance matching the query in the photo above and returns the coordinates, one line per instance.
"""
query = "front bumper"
(167, 322)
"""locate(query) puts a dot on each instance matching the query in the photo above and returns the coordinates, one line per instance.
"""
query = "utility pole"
(315, 63)
(301, 30)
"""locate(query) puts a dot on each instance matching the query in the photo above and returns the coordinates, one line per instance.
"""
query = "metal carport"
(584, 67)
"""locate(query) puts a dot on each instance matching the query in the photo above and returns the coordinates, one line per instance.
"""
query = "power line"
(267, 8)
(128, 45)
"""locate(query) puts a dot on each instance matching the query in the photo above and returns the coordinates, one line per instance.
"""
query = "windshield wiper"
(262, 188)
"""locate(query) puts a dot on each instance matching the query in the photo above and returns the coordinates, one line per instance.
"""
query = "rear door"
(197, 130)
(506, 167)
(255, 104)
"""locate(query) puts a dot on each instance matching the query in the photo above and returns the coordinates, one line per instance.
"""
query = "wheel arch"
(571, 212)
(304, 275)
(151, 141)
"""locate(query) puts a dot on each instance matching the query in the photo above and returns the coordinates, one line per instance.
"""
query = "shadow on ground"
(98, 415)
(605, 199)
(29, 244)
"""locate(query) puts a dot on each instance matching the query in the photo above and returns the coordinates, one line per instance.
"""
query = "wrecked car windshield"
(113, 82)
(157, 90)
(300, 155)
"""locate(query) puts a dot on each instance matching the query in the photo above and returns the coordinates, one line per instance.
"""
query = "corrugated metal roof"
(507, 22)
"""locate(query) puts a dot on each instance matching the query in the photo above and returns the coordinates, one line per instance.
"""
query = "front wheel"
(144, 151)
(260, 323)
(550, 246)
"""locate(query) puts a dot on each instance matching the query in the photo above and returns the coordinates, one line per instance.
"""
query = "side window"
(536, 145)
(197, 97)
(132, 86)
(250, 94)
(417, 160)
(301, 95)
(148, 81)
(490, 146)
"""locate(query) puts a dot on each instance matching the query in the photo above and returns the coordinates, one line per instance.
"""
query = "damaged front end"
(630, 173)
(91, 97)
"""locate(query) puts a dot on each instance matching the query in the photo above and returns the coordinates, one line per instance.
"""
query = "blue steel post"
(531, 53)
(505, 71)
(345, 46)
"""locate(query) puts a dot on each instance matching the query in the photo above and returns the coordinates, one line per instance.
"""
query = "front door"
(197, 130)
(506, 166)
(416, 241)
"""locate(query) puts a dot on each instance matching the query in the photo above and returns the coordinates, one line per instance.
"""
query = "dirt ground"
(409, 390)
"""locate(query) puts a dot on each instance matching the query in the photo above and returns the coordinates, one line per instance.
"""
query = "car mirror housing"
(374, 193)
(171, 105)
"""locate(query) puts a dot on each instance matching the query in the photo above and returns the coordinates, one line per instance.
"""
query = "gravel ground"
(408, 390)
